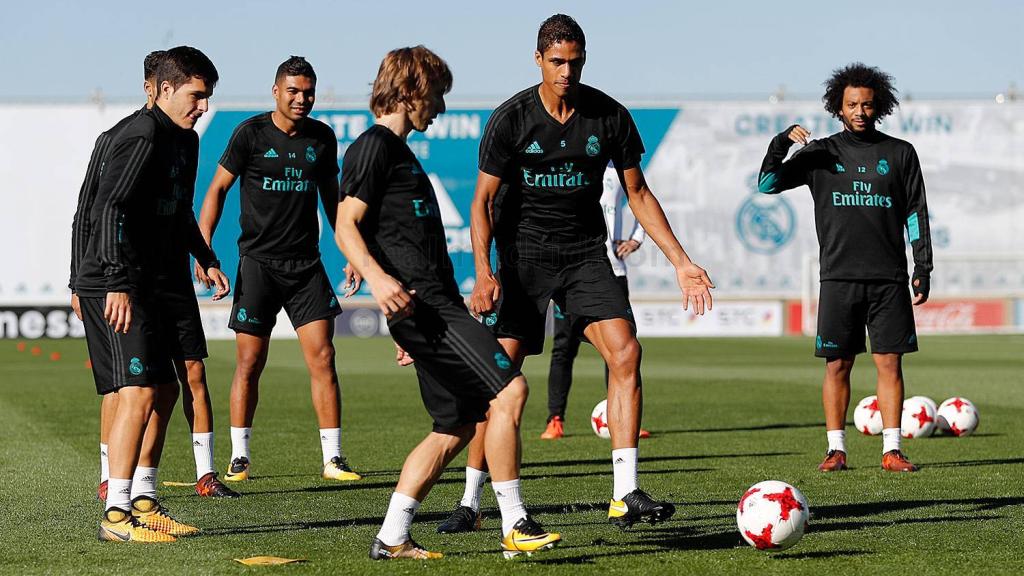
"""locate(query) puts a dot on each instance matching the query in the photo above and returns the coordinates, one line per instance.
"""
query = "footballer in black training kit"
(867, 189)
(287, 163)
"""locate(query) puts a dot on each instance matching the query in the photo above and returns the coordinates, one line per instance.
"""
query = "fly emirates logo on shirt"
(861, 193)
(562, 176)
(292, 182)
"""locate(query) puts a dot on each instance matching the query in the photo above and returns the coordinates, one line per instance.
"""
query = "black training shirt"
(142, 224)
(866, 189)
(555, 171)
(80, 230)
(279, 176)
(402, 226)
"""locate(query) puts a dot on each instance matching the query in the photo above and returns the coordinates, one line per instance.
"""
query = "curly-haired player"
(867, 187)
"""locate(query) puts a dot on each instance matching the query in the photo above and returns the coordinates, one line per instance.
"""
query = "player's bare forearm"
(649, 214)
(329, 198)
(481, 221)
(213, 203)
(351, 243)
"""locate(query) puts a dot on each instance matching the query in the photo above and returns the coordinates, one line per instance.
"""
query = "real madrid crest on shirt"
(310, 154)
(593, 146)
(883, 167)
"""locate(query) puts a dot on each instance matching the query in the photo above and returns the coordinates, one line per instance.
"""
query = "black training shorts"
(181, 323)
(845, 308)
(460, 365)
(263, 287)
(583, 287)
(138, 358)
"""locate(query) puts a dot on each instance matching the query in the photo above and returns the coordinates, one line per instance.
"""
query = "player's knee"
(249, 362)
(196, 371)
(626, 359)
(323, 359)
(137, 400)
(512, 398)
(839, 367)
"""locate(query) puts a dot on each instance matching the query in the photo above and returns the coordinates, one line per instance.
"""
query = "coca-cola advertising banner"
(941, 316)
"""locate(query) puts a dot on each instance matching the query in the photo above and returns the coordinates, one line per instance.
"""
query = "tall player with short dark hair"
(189, 349)
(143, 229)
(551, 144)
(389, 227)
(867, 188)
(283, 158)
(80, 232)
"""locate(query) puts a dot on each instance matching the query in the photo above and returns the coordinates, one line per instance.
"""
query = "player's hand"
(118, 311)
(624, 248)
(353, 280)
(218, 279)
(696, 287)
(202, 277)
(922, 286)
(394, 300)
(799, 134)
(485, 295)
(402, 357)
(76, 305)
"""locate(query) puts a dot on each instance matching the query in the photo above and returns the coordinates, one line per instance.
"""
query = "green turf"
(726, 413)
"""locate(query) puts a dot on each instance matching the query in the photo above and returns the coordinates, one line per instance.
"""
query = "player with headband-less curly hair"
(858, 75)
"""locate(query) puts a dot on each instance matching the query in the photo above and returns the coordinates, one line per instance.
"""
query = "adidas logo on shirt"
(534, 148)
(271, 153)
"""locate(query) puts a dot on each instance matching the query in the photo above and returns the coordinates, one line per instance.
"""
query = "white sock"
(474, 485)
(202, 449)
(119, 493)
(240, 442)
(510, 503)
(624, 470)
(398, 520)
(330, 443)
(104, 463)
(890, 439)
(143, 483)
(836, 440)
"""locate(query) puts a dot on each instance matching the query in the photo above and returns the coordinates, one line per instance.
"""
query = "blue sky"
(64, 50)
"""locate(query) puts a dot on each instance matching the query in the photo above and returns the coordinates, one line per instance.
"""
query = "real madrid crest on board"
(593, 147)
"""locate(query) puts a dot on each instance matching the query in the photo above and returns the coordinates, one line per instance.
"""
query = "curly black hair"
(858, 75)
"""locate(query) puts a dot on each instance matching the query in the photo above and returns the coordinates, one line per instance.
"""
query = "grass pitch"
(725, 413)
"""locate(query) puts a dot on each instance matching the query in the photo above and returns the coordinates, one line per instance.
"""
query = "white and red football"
(928, 401)
(958, 416)
(599, 420)
(772, 515)
(867, 417)
(918, 418)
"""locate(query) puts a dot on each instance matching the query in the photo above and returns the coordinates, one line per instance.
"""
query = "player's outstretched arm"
(209, 215)
(487, 290)
(918, 230)
(776, 174)
(392, 298)
(693, 280)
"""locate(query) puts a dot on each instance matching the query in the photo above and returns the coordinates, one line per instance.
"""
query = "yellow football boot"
(527, 537)
(149, 513)
(120, 526)
(338, 469)
(238, 470)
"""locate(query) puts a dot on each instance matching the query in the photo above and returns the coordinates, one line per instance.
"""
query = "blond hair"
(406, 75)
